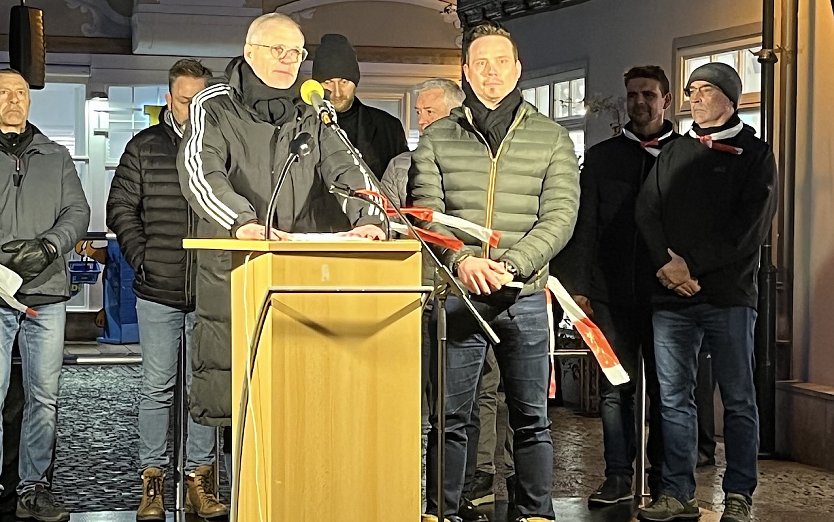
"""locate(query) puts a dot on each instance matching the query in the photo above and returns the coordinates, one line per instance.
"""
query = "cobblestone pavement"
(98, 439)
(97, 460)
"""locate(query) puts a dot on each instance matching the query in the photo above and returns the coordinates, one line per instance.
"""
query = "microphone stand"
(285, 170)
(301, 145)
(448, 284)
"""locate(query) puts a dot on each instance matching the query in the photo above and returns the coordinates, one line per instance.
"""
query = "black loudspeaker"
(27, 51)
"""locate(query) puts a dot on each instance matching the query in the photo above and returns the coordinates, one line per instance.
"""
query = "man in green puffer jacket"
(497, 162)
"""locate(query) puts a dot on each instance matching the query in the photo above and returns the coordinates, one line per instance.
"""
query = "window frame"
(550, 78)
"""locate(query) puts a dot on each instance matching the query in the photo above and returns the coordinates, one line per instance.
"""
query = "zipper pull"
(17, 177)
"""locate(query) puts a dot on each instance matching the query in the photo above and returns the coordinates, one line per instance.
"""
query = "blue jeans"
(160, 333)
(522, 357)
(727, 333)
(629, 331)
(41, 342)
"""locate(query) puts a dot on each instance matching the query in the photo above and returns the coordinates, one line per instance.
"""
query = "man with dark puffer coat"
(150, 217)
(498, 162)
(235, 143)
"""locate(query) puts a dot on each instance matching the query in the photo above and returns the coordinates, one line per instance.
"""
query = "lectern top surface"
(252, 245)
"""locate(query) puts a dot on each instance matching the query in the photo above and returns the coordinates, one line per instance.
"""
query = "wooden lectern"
(333, 425)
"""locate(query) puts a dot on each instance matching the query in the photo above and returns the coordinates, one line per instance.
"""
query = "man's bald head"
(275, 49)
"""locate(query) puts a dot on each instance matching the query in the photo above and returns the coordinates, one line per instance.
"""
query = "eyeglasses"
(703, 90)
(280, 52)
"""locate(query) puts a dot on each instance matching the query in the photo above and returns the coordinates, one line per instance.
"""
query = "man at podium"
(239, 135)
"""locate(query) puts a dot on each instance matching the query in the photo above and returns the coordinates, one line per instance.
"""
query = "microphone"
(312, 93)
(343, 190)
(300, 146)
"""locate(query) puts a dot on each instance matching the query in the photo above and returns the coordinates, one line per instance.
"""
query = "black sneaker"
(481, 488)
(39, 504)
(736, 508)
(469, 513)
(616, 488)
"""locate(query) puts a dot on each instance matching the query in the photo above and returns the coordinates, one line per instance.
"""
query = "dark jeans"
(629, 331)
(522, 357)
(727, 333)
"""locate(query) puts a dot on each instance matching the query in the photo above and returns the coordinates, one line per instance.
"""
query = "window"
(737, 54)
(562, 98)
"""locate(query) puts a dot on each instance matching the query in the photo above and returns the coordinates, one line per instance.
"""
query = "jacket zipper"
(493, 170)
(17, 178)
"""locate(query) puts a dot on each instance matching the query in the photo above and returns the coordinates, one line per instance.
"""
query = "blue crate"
(84, 272)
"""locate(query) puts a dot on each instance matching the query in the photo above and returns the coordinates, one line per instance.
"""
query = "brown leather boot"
(153, 491)
(201, 498)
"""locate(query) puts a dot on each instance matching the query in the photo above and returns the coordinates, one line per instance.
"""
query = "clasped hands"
(258, 231)
(675, 276)
(482, 276)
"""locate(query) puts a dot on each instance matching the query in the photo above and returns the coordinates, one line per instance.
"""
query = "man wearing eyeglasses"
(378, 135)
(232, 151)
(703, 212)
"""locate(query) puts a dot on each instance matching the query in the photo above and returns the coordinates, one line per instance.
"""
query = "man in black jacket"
(43, 214)
(150, 217)
(235, 143)
(704, 211)
(378, 135)
(606, 268)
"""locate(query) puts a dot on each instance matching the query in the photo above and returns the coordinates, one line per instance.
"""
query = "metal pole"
(180, 416)
(440, 403)
(640, 486)
(765, 333)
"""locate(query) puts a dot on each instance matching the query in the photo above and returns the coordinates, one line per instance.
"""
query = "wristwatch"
(511, 269)
(456, 264)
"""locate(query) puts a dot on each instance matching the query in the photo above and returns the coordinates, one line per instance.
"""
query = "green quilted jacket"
(528, 191)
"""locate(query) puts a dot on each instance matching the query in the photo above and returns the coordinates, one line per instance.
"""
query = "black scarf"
(277, 106)
(493, 123)
(14, 143)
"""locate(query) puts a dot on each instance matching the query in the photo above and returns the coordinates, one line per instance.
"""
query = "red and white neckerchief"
(650, 146)
(713, 141)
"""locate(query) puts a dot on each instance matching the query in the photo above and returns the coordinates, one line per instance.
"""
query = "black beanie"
(335, 58)
(722, 76)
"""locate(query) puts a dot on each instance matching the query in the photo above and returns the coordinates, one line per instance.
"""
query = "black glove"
(31, 256)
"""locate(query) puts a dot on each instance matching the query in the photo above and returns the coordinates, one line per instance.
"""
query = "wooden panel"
(336, 391)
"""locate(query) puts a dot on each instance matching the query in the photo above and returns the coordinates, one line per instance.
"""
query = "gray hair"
(452, 93)
(260, 21)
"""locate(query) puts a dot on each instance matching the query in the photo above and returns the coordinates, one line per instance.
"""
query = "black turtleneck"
(14, 143)
(493, 123)
(349, 121)
(277, 106)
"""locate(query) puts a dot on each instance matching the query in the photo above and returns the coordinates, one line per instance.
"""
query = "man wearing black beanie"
(378, 135)
(703, 212)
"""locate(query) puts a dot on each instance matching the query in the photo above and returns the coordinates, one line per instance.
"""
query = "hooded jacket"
(150, 216)
(228, 163)
(41, 197)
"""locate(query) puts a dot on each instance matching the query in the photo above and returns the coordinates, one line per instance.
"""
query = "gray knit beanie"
(722, 76)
